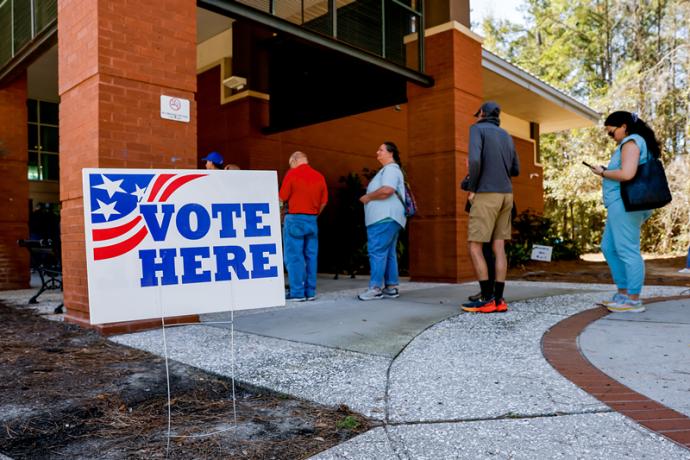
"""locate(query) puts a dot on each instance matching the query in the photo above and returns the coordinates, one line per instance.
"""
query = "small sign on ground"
(542, 253)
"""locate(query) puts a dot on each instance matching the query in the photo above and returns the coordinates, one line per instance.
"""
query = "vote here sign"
(178, 242)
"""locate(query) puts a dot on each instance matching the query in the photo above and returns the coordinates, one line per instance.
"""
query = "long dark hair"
(392, 148)
(635, 125)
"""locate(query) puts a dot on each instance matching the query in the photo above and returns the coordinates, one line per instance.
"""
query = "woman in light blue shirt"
(621, 241)
(384, 217)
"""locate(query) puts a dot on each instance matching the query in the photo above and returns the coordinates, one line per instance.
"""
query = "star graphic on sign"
(139, 192)
(106, 209)
(110, 186)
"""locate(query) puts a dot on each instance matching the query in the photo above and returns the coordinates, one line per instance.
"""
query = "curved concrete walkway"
(659, 341)
(442, 384)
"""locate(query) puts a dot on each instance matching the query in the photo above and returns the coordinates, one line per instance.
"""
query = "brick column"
(14, 187)
(115, 60)
(438, 128)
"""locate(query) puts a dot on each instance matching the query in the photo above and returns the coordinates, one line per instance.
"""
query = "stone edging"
(561, 350)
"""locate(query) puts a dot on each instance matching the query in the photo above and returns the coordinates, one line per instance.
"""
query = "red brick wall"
(14, 187)
(116, 59)
(438, 132)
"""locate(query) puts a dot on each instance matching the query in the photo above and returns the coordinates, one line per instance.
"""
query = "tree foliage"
(613, 55)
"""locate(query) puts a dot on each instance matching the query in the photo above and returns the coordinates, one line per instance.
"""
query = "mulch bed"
(66, 392)
(659, 272)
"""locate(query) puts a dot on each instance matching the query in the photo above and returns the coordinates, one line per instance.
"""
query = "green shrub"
(530, 228)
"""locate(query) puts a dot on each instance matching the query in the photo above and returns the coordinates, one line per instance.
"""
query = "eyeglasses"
(612, 133)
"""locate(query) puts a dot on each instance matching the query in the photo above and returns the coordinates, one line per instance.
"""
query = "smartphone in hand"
(588, 165)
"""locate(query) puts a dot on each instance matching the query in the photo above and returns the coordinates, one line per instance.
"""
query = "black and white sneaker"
(371, 294)
(390, 292)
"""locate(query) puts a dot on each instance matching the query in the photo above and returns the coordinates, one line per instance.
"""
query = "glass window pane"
(33, 137)
(33, 166)
(399, 23)
(360, 25)
(32, 105)
(22, 23)
(317, 17)
(50, 167)
(49, 113)
(49, 139)
(5, 32)
(45, 11)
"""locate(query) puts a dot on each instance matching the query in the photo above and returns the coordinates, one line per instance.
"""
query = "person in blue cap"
(214, 160)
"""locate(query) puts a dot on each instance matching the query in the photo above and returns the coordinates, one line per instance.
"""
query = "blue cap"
(214, 157)
(490, 109)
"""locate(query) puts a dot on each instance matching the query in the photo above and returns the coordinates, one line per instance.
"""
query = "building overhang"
(525, 96)
(42, 42)
(235, 9)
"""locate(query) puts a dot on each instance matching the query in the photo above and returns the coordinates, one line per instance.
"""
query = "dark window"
(43, 139)
(49, 139)
(32, 105)
(50, 166)
(49, 113)
(33, 137)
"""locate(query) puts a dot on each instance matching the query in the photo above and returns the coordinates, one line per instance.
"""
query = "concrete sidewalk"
(442, 383)
(659, 341)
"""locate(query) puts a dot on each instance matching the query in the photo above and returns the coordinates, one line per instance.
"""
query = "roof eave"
(513, 73)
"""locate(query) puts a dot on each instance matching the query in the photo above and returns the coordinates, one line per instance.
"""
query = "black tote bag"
(648, 189)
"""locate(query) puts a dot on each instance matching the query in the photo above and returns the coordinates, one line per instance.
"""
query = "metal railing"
(381, 27)
(20, 22)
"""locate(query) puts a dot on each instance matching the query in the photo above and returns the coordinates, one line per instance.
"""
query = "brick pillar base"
(115, 60)
(14, 187)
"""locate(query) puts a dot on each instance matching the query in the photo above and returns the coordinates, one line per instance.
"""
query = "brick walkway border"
(561, 350)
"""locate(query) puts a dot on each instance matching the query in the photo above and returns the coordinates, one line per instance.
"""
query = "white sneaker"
(295, 299)
(684, 271)
(617, 299)
(629, 306)
(371, 294)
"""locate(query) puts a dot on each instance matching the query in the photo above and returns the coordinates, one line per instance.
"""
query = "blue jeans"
(301, 242)
(687, 262)
(621, 246)
(382, 240)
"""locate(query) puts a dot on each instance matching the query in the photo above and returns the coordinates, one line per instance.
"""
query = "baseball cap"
(489, 108)
(214, 157)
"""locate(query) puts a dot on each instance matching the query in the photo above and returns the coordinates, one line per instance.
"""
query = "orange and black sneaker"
(501, 306)
(480, 306)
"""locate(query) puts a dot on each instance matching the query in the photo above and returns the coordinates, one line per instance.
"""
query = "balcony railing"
(380, 27)
(20, 22)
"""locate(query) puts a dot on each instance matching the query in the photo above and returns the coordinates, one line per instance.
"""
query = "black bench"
(46, 261)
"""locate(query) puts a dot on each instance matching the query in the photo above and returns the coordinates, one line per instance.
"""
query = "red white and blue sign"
(179, 242)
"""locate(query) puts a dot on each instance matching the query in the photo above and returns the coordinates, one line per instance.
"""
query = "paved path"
(442, 384)
(659, 341)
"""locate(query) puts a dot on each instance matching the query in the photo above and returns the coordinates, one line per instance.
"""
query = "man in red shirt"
(304, 190)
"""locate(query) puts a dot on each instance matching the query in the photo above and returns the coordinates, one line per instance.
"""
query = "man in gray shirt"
(492, 163)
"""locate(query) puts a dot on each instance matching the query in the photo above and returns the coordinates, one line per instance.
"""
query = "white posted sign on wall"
(179, 242)
(175, 108)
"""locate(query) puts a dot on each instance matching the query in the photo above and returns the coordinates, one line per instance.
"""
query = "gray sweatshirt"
(493, 160)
